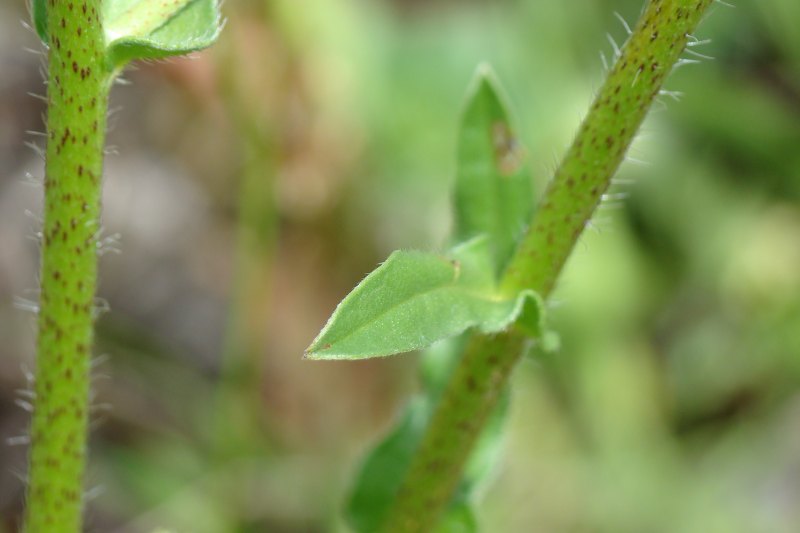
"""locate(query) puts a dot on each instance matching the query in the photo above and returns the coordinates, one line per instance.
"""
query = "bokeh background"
(250, 187)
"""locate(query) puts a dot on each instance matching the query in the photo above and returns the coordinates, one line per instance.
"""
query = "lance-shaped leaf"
(378, 479)
(377, 482)
(493, 189)
(381, 474)
(415, 299)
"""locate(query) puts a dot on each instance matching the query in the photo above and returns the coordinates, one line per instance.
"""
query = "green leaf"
(148, 29)
(153, 29)
(415, 299)
(39, 17)
(459, 518)
(531, 319)
(493, 190)
(438, 362)
(533, 322)
(380, 476)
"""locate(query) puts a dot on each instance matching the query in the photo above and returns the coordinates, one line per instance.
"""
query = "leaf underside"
(148, 29)
(187, 26)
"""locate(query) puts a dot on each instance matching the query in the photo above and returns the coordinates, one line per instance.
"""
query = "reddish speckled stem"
(77, 98)
(601, 143)
(572, 196)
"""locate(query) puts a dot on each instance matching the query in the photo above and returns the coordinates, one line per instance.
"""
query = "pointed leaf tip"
(484, 73)
(493, 190)
(483, 80)
(401, 306)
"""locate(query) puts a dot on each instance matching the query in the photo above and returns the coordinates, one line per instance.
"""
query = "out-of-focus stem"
(238, 399)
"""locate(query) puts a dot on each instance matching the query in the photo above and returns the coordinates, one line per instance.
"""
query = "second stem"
(576, 189)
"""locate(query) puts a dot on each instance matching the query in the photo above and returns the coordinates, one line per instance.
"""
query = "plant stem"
(573, 194)
(466, 404)
(603, 138)
(239, 408)
(77, 99)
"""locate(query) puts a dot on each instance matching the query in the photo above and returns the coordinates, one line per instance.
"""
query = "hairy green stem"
(77, 98)
(573, 194)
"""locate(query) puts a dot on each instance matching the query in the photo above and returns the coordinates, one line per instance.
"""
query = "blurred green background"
(253, 185)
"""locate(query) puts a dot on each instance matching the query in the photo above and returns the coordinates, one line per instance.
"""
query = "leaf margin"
(499, 312)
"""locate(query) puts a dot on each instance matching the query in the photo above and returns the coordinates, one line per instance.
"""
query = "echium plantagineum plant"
(89, 42)
(485, 296)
